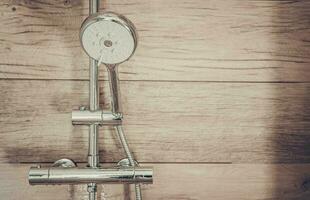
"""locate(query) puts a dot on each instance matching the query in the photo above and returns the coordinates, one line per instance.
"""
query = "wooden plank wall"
(216, 97)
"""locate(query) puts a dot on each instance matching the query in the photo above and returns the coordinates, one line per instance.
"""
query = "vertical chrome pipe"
(93, 6)
(93, 150)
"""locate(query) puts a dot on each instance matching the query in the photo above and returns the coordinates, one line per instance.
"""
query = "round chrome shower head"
(108, 37)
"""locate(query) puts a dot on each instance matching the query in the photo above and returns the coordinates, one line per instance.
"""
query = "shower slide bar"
(108, 39)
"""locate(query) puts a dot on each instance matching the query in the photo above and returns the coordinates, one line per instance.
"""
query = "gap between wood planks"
(156, 81)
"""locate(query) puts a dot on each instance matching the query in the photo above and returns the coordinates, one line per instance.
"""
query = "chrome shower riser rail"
(93, 151)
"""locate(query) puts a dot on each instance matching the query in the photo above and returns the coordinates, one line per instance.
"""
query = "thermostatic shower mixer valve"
(109, 39)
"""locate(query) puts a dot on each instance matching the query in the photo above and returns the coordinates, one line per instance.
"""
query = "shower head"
(108, 37)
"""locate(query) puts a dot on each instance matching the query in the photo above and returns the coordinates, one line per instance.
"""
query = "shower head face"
(108, 37)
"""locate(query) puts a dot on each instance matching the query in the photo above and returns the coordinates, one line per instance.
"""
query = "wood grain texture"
(211, 83)
(179, 40)
(199, 181)
(175, 122)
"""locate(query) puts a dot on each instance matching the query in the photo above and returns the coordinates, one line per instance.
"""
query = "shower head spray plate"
(108, 37)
